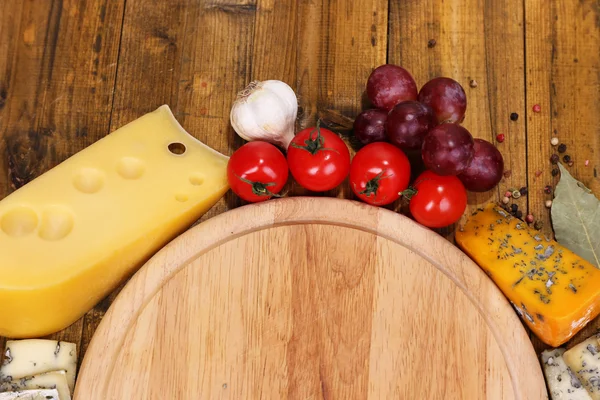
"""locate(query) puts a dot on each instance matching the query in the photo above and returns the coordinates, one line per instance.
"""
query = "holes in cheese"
(72, 235)
(177, 148)
(19, 221)
(56, 223)
(88, 180)
(130, 168)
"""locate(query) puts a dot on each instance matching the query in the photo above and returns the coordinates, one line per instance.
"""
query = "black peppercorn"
(523, 191)
(514, 116)
(562, 148)
(514, 207)
(548, 189)
(554, 158)
(431, 44)
(519, 214)
(567, 158)
(555, 172)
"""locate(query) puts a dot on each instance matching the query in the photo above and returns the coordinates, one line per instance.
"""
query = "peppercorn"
(514, 208)
(519, 214)
(505, 200)
(537, 108)
(554, 141)
(508, 194)
(548, 189)
(500, 137)
(529, 218)
(570, 163)
(562, 148)
(555, 172)
(567, 158)
(554, 158)
(516, 194)
(523, 191)
(431, 44)
(473, 83)
(538, 225)
(507, 173)
(548, 203)
(514, 116)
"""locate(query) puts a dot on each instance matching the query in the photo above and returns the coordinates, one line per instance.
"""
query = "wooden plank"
(474, 40)
(10, 22)
(340, 43)
(191, 55)
(146, 57)
(60, 96)
(215, 65)
(563, 73)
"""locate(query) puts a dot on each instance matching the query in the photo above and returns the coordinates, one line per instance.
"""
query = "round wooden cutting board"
(310, 298)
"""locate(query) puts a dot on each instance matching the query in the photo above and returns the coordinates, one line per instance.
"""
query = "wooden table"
(73, 71)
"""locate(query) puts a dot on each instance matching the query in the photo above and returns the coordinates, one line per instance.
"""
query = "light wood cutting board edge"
(515, 345)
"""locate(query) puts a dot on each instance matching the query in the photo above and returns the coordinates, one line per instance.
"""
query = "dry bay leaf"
(576, 217)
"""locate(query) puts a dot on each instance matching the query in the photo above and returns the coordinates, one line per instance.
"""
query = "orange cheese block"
(552, 289)
(70, 236)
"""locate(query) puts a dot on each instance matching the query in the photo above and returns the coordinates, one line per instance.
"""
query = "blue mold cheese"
(562, 383)
(41, 394)
(49, 380)
(584, 360)
(24, 359)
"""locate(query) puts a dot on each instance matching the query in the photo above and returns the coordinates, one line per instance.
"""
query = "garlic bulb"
(266, 111)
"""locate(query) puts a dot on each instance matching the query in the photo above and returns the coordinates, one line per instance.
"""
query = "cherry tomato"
(379, 173)
(438, 201)
(319, 160)
(257, 171)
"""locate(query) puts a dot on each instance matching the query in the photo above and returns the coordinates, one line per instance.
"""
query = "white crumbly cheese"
(43, 394)
(584, 361)
(562, 382)
(50, 380)
(23, 358)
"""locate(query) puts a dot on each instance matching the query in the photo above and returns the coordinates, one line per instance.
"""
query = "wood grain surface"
(71, 71)
(310, 298)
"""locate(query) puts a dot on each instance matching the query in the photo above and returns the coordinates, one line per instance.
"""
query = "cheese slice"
(43, 394)
(562, 383)
(554, 291)
(26, 358)
(69, 237)
(584, 360)
(50, 380)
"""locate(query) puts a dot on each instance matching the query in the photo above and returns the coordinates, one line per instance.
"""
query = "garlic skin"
(266, 111)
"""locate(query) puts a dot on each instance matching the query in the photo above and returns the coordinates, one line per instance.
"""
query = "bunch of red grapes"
(430, 120)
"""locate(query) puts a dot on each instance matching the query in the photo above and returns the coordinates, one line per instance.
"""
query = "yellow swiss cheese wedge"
(70, 236)
(554, 291)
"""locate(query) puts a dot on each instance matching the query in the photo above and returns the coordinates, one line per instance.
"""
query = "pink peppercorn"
(529, 218)
(537, 108)
(508, 194)
(500, 137)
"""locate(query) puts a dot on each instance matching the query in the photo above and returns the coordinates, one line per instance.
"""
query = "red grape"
(408, 123)
(448, 149)
(447, 99)
(369, 126)
(486, 168)
(389, 85)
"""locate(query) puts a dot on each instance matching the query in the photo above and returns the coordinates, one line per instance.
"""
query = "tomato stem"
(259, 188)
(372, 185)
(313, 146)
(408, 193)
